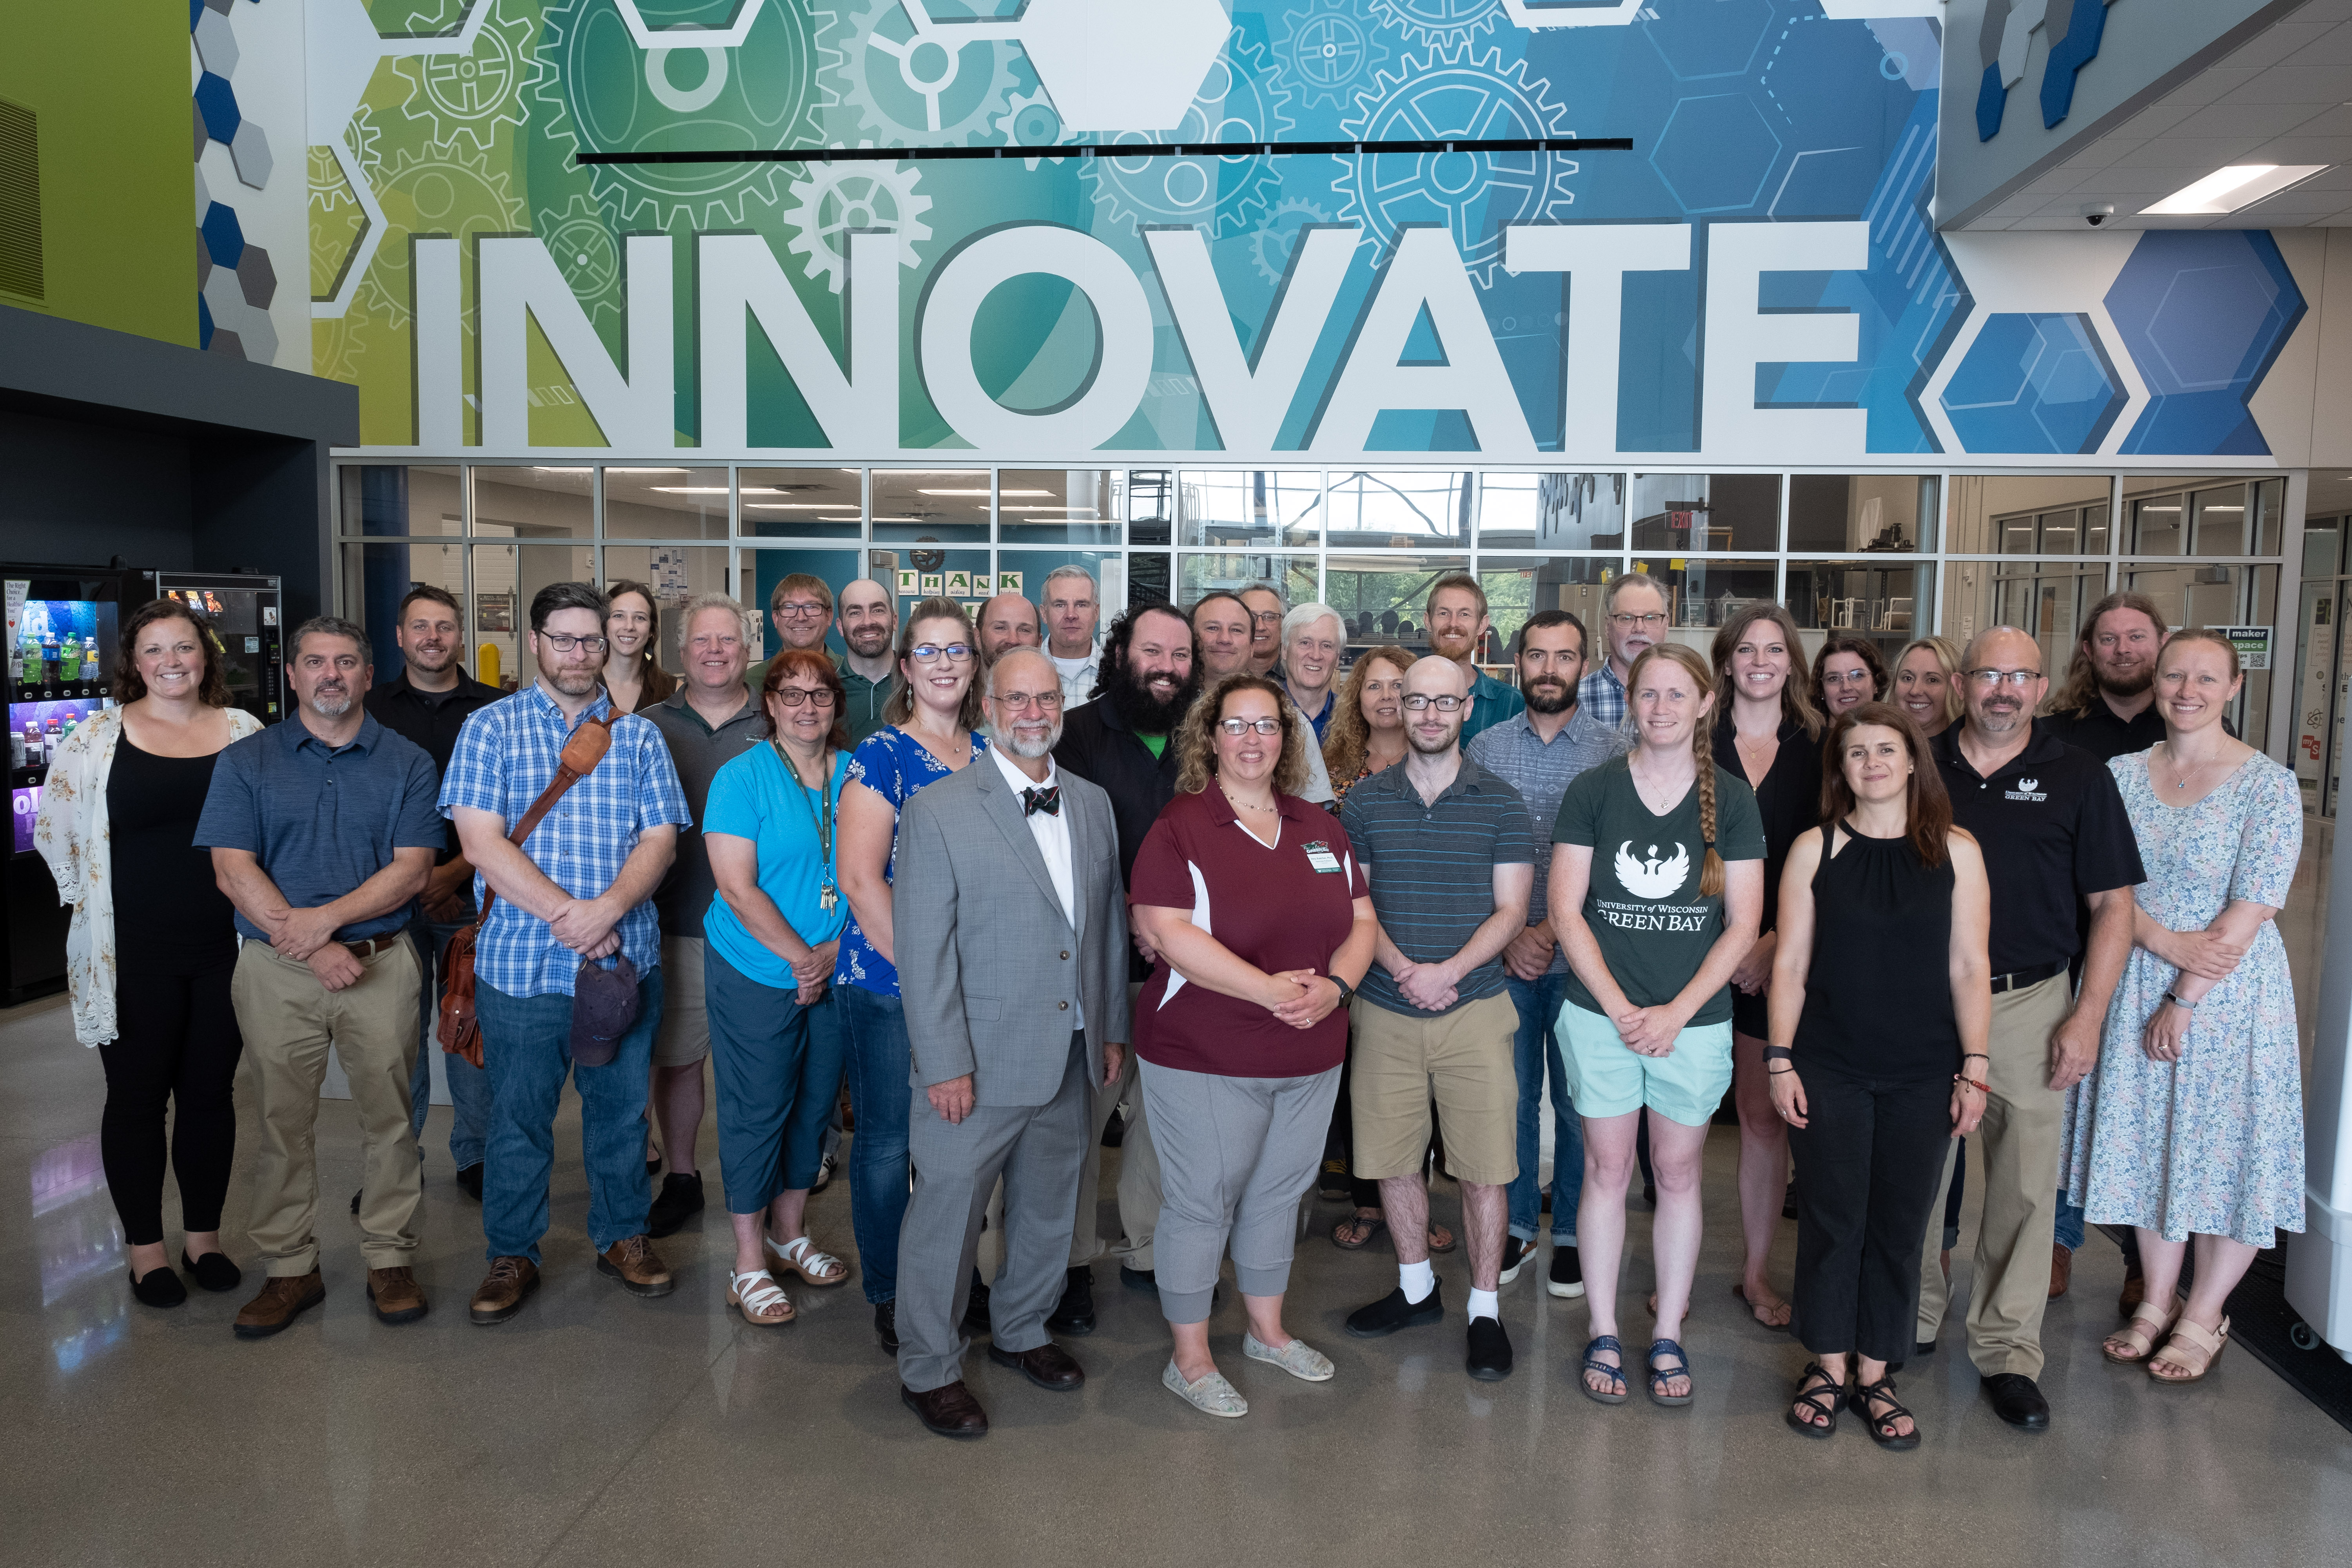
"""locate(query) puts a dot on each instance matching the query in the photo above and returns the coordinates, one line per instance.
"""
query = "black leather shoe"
(1048, 1366)
(2016, 1400)
(1114, 1130)
(355, 1199)
(951, 1411)
(1489, 1357)
(470, 1181)
(885, 1325)
(213, 1271)
(1075, 1314)
(161, 1288)
(1392, 1311)
(975, 1308)
(1139, 1278)
(679, 1200)
(1924, 1347)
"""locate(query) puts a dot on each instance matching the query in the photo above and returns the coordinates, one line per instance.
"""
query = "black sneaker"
(824, 1168)
(1075, 1314)
(1392, 1311)
(1515, 1253)
(1567, 1278)
(975, 1308)
(1139, 1278)
(470, 1179)
(1490, 1356)
(886, 1326)
(679, 1200)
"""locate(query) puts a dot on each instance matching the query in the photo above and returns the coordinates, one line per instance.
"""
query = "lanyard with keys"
(827, 897)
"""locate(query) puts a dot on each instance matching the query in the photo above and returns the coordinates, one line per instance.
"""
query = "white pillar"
(2319, 1261)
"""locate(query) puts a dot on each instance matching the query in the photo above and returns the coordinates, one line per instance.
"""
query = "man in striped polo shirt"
(1450, 858)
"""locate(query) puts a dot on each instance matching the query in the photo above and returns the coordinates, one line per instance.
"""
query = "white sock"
(1418, 1280)
(1483, 1304)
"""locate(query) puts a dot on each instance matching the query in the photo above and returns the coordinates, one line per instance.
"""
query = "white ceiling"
(2283, 97)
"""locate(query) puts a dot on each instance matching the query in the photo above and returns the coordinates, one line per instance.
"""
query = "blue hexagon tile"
(2035, 382)
(2203, 313)
(236, 279)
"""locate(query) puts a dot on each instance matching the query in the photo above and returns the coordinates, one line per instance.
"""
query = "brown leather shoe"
(1047, 1367)
(282, 1299)
(398, 1298)
(501, 1294)
(2061, 1269)
(2135, 1291)
(951, 1411)
(634, 1262)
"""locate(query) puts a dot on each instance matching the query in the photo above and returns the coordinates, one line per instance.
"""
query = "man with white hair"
(1312, 637)
(1073, 604)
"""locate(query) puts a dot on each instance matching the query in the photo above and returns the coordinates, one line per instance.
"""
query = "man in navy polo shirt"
(323, 832)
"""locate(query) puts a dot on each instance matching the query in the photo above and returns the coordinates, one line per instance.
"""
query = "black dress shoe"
(1048, 1366)
(355, 1199)
(1114, 1130)
(975, 1308)
(1489, 1357)
(885, 1325)
(1392, 1311)
(1075, 1314)
(951, 1411)
(213, 1271)
(470, 1181)
(1924, 1347)
(161, 1288)
(1139, 1278)
(2016, 1400)
(679, 1200)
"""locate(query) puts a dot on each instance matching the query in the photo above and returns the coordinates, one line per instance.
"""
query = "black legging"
(176, 1041)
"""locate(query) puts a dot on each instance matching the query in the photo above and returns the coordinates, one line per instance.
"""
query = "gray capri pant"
(1235, 1156)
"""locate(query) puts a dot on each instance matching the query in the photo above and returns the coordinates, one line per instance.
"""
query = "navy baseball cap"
(604, 1008)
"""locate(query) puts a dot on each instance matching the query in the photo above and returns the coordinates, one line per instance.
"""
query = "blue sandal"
(1616, 1375)
(1681, 1368)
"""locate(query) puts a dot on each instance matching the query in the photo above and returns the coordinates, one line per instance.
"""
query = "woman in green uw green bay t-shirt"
(1656, 891)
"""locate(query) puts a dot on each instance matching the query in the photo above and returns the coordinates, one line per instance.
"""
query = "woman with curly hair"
(1847, 673)
(1368, 730)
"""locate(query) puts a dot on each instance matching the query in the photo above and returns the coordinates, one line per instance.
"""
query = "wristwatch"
(1347, 992)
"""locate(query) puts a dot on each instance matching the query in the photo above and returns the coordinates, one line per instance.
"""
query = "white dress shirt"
(1051, 832)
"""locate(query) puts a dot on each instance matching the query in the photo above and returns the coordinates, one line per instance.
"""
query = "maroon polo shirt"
(1270, 907)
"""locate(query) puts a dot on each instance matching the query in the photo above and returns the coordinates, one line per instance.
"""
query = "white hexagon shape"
(727, 37)
(250, 152)
(1123, 65)
(203, 196)
(1534, 13)
(217, 43)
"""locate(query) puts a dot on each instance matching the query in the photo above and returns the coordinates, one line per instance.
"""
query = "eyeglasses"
(2020, 679)
(1844, 677)
(931, 652)
(1420, 701)
(563, 644)
(1239, 727)
(799, 610)
(1267, 618)
(1650, 622)
(793, 696)
(1044, 702)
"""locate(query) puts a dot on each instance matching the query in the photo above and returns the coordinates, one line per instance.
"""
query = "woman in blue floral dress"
(2191, 1128)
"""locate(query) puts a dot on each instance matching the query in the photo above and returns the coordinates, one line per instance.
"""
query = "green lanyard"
(825, 897)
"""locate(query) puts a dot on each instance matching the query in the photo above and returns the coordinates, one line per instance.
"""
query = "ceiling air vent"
(20, 201)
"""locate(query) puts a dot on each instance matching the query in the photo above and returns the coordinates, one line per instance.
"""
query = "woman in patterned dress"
(2191, 1127)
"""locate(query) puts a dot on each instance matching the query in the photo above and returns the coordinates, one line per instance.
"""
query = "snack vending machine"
(244, 610)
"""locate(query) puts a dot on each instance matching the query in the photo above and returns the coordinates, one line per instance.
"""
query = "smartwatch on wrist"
(1347, 992)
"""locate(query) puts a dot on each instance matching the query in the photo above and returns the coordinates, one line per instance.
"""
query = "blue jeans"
(777, 1069)
(881, 1069)
(526, 1045)
(2069, 1229)
(469, 1086)
(1536, 1043)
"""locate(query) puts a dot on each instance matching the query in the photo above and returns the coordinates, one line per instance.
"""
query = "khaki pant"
(2020, 1143)
(1465, 1061)
(288, 1020)
(1139, 1174)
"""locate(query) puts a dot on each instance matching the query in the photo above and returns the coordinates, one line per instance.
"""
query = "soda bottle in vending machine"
(34, 757)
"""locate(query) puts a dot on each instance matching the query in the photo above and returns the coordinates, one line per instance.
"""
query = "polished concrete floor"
(595, 1428)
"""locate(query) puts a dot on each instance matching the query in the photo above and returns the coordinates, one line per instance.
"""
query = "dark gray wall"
(76, 493)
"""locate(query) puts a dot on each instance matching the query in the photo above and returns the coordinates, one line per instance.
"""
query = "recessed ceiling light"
(692, 490)
(2239, 185)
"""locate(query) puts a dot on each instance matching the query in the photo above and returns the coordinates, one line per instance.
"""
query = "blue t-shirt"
(755, 797)
(893, 765)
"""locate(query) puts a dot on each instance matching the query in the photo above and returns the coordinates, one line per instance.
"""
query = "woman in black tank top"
(1881, 999)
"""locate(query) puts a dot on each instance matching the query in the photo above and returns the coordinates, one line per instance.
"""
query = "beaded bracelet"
(1980, 1088)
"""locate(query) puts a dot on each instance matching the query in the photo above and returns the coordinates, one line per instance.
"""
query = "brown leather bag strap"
(565, 777)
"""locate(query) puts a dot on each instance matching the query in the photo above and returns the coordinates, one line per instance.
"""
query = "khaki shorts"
(1463, 1059)
(683, 1037)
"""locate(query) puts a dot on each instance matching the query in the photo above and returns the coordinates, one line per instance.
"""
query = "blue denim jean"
(1536, 1045)
(777, 1069)
(2069, 1229)
(469, 1086)
(881, 1069)
(526, 1045)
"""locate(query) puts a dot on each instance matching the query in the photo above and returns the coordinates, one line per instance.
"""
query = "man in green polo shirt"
(1455, 613)
(869, 621)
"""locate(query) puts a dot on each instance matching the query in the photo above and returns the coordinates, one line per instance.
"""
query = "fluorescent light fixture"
(2239, 185)
(711, 489)
(983, 492)
(2224, 508)
(794, 505)
(645, 470)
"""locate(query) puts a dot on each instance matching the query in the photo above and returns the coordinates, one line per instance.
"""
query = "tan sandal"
(2150, 1324)
(760, 1298)
(2189, 1340)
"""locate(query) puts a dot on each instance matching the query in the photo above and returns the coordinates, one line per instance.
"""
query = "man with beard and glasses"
(323, 834)
(1124, 742)
(1006, 622)
(1073, 602)
(2054, 832)
(1457, 612)
(868, 620)
(577, 892)
(426, 704)
(1539, 752)
(1222, 623)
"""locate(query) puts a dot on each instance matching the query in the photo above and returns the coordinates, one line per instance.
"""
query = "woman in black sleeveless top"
(1881, 999)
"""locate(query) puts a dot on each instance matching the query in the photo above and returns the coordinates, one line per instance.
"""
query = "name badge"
(1319, 856)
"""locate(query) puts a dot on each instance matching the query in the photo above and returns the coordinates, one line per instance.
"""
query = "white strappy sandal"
(761, 1300)
(802, 1256)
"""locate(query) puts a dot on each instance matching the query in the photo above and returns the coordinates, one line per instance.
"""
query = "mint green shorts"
(1605, 1078)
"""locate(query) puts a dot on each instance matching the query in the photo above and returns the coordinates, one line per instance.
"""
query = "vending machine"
(245, 612)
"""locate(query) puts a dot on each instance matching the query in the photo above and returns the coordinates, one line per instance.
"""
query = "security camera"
(2096, 213)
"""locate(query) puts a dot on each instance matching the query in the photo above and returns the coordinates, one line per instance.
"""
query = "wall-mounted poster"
(494, 612)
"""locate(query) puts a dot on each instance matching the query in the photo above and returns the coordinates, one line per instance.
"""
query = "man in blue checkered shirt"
(580, 888)
(1632, 617)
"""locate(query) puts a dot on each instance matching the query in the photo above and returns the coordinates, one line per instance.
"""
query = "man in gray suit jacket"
(1011, 950)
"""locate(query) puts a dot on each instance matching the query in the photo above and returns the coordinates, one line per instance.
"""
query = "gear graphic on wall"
(1275, 238)
(1455, 95)
(336, 344)
(586, 254)
(1327, 50)
(602, 93)
(1032, 121)
(447, 187)
(1441, 22)
(472, 95)
(906, 80)
(1240, 101)
(838, 198)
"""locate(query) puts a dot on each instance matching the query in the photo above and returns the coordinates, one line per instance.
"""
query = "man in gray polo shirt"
(323, 830)
(1537, 752)
(709, 721)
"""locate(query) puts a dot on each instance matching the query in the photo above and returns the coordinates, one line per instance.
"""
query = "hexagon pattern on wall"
(1715, 152)
(2037, 381)
(235, 281)
(2204, 314)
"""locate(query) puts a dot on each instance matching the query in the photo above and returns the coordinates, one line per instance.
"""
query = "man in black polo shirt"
(2053, 830)
(1125, 741)
(425, 705)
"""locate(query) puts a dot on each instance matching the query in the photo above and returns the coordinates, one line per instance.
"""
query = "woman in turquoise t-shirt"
(770, 941)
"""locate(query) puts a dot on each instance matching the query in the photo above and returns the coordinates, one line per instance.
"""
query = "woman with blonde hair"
(1926, 684)
(634, 677)
(1368, 728)
(1656, 891)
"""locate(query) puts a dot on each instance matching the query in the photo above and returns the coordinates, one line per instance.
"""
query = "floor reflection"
(79, 1239)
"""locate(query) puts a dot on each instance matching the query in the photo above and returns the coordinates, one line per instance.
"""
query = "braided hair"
(1711, 874)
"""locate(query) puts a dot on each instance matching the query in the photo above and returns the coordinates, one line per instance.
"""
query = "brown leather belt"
(2019, 979)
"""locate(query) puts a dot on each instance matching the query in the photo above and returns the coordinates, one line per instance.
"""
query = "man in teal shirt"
(1456, 613)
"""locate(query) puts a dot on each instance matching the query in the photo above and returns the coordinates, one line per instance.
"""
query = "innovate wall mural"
(1757, 279)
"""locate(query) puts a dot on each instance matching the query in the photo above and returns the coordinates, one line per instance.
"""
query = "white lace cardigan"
(74, 836)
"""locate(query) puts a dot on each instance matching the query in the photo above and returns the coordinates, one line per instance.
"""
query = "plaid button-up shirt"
(506, 756)
(1602, 695)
